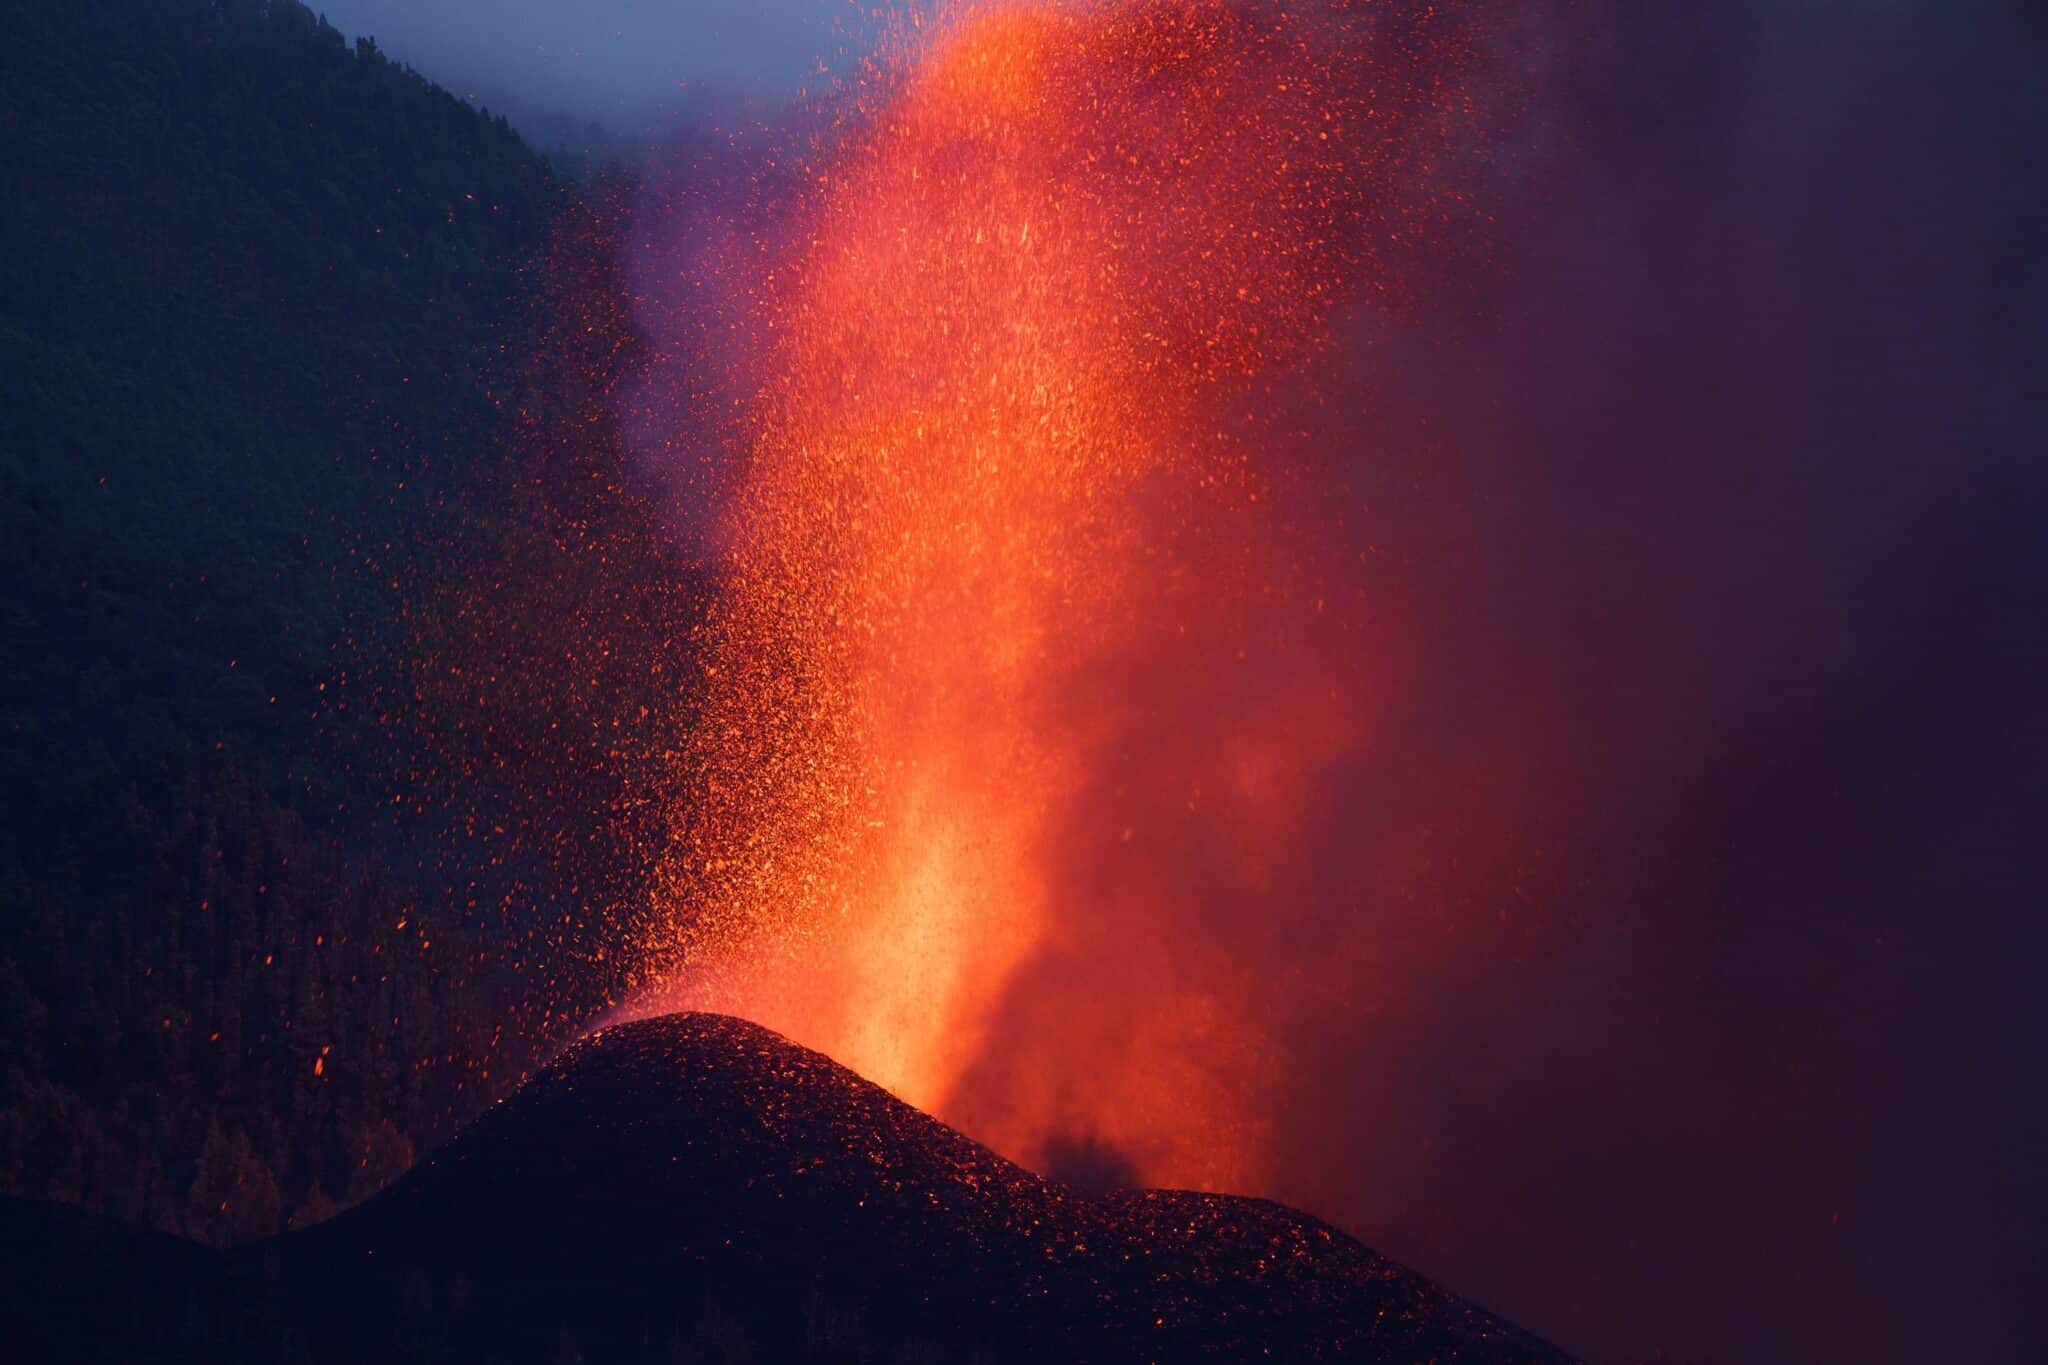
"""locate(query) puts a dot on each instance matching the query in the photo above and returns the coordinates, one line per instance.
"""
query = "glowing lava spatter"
(1005, 629)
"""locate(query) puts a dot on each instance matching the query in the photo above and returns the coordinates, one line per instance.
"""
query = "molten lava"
(1018, 670)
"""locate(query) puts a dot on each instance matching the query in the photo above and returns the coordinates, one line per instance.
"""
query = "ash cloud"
(1662, 972)
(1748, 490)
(1088, 1162)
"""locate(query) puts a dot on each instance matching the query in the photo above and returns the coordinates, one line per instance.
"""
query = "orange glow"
(1009, 624)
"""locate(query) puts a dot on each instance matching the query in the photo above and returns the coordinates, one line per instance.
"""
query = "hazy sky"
(615, 61)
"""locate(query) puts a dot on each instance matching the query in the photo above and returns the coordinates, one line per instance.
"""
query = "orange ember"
(1014, 665)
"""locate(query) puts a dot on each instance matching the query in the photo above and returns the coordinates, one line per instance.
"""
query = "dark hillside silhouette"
(277, 355)
(694, 1187)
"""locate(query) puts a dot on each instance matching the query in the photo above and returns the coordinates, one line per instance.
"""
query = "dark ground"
(694, 1187)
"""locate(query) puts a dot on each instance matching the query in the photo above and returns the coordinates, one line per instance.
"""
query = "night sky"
(620, 63)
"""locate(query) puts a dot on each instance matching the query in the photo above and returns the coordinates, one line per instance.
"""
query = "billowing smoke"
(1550, 784)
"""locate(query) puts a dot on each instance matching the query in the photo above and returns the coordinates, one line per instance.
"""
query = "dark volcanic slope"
(697, 1187)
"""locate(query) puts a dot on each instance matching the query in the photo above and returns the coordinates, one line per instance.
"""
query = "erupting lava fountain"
(1021, 668)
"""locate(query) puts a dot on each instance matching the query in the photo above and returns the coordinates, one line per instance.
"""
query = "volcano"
(696, 1187)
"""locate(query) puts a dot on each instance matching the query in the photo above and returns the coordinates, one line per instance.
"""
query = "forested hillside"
(272, 322)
